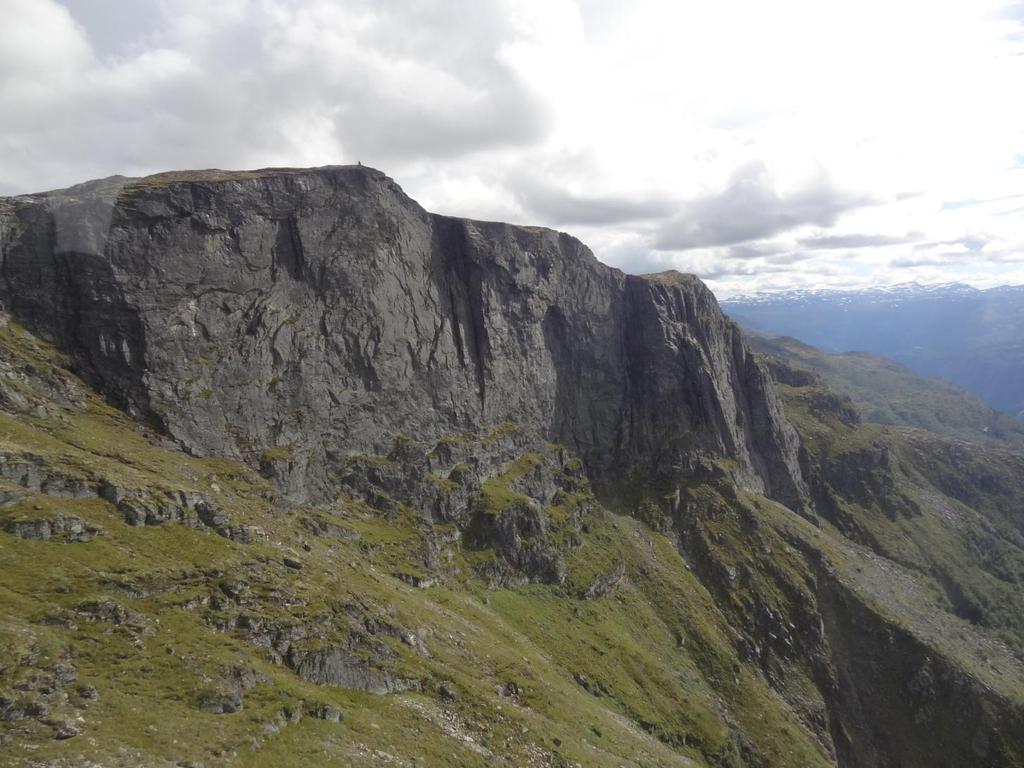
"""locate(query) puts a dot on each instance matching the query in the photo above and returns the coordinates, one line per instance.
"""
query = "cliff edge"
(293, 318)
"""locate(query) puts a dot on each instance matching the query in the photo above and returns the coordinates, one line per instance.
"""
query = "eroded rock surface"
(292, 318)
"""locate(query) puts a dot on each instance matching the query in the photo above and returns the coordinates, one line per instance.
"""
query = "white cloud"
(751, 208)
(741, 140)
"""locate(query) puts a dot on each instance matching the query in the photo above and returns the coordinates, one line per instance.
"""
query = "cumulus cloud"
(755, 251)
(972, 243)
(830, 242)
(560, 206)
(399, 79)
(750, 208)
(117, 28)
(664, 134)
(725, 269)
(245, 82)
(905, 262)
(954, 258)
(975, 249)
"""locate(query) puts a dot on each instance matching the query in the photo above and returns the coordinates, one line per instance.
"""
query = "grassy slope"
(925, 529)
(948, 512)
(656, 672)
(886, 392)
(655, 699)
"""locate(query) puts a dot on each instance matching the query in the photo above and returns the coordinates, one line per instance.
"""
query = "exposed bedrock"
(294, 317)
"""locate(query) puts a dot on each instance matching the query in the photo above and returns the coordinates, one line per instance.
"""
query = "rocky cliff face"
(440, 399)
(293, 318)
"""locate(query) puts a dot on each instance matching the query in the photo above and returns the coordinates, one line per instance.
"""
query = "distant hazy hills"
(885, 392)
(973, 338)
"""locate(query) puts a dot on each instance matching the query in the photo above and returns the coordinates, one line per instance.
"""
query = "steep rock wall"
(305, 315)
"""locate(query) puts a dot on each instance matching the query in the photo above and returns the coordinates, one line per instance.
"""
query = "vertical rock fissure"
(460, 349)
(563, 420)
(104, 331)
(480, 345)
(466, 283)
(3, 266)
(287, 253)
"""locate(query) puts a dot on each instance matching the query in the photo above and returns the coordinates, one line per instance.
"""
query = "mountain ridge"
(389, 487)
(888, 393)
(882, 292)
(446, 306)
(967, 336)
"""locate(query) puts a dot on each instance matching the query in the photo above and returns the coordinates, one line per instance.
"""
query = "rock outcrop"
(465, 404)
(295, 317)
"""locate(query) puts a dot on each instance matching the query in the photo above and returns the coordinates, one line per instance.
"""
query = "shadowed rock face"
(304, 315)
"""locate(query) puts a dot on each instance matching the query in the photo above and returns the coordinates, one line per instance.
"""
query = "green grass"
(278, 453)
(885, 392)
(658, 710)
(651, 673)
(498, 494)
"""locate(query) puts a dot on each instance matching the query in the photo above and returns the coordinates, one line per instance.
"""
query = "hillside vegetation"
(968, 336)
(295, 473)
(885, 392)
(162, 609)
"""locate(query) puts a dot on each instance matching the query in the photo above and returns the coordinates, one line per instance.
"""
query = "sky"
(763, 146)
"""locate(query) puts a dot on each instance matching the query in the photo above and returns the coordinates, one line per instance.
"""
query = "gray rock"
(318, 526)
(37, 530)
(64, 673)
(325, 712)
(324, 311)
(10, 709)
(103, 610)
(88, 692)
(64, 729)
(590, 686)
(606, 583)
(37, 709)
(334, 666)
(68, 528)
(520, 538)
(30, 472)
(447, 691)
(221, 701)
(141, 507)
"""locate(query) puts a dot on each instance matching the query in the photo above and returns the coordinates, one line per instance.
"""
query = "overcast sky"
(761, 145)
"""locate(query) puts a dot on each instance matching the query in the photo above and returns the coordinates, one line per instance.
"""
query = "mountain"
(885, 392)
(970, 337)
(323, 313)
(293, 472)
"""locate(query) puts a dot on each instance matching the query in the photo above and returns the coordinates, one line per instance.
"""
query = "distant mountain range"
(973, 338)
